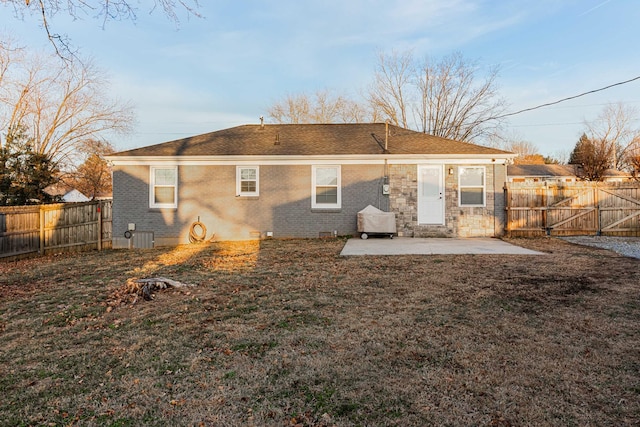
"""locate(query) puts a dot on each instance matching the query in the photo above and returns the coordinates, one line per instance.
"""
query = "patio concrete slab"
(432, 246)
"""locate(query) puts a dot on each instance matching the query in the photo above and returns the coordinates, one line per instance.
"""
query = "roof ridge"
(326, 139)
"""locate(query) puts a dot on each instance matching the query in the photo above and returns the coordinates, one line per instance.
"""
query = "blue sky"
(228, 67)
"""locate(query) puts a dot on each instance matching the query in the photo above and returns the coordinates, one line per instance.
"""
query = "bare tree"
(6, 50)
(355, 112)
(326, 107)
(446, 98)
(560, 157)
(455, 102)
(104, 10)
(617, 127)
(527, 151)
(93, 176)
(633, 154)
(393, 81)
(59, 105)
(292, 109)
(322, 107)
(10, 57)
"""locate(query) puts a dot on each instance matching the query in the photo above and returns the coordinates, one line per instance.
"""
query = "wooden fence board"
(573, 209)
(55, 228)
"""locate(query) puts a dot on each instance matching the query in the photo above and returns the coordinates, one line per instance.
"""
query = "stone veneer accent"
(459, 221)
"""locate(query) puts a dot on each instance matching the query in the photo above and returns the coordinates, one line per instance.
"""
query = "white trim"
(239, 191)
(351, 159)
(152, 186)
(484, 187)
(314, 204)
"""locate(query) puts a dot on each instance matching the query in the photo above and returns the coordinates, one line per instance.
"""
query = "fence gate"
(568, 209)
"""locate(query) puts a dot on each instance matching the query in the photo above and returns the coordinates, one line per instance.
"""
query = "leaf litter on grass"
(282, 332)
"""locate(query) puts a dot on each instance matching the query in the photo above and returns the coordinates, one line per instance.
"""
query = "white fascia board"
(309, 160)
(465, 160)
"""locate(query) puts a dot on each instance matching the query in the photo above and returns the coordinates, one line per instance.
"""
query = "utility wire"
(491, 118)
(565, 99)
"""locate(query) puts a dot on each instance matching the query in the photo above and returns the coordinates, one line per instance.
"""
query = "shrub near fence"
(569, 209)
(64, 227)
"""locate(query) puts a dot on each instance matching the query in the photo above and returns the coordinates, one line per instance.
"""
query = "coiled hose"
(198, 232)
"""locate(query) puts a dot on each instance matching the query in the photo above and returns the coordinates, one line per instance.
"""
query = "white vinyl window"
(247, 181)
(325, 187)
(471, 186)
(163, 191)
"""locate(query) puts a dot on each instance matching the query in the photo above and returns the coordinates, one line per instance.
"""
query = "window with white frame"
(163, 187)
(471, 186)
(247, 183)
(325, 187)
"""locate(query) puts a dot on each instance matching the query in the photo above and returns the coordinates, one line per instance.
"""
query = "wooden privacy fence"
(567, 209)
(64, 227)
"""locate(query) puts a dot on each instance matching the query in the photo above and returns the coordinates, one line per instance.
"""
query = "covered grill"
(372, 220)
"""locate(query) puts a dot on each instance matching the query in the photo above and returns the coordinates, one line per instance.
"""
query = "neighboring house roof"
(66, 193)
(312, 140)
(556, 171)
(104, 195)
(614, 173)
(75, 196)
(541, 170)
(57, 190)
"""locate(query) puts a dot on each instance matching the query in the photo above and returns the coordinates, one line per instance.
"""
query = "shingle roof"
(541, 170)
(311, 140)
(556, 171)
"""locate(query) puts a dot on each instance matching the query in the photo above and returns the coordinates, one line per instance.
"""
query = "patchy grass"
(287, 332)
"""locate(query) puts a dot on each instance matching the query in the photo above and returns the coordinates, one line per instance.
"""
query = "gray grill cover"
(373, 220)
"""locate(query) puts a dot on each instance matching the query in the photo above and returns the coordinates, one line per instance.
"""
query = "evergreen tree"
(593, 158)
(24, 173)
(5, 175)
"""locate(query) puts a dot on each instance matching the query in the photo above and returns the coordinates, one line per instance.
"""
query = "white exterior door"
(430, 195)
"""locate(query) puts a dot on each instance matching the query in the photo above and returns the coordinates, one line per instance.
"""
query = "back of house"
(305, 181)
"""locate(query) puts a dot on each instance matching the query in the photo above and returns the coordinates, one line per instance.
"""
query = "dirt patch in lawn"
(287, 332)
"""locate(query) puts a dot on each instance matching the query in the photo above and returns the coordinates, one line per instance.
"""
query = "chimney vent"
(261, 122)
(277, 139)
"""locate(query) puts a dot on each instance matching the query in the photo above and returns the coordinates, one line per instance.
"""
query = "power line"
(567, 99)
(547, 124)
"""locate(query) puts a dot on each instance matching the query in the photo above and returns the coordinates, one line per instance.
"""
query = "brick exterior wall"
(283, 207)
(208, 193)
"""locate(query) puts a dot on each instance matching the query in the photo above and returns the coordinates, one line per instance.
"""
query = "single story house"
(66, 193)
(557, 174)
(306, 180)
(541, 173)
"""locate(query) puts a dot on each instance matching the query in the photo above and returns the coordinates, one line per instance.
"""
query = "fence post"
(596, 204)
(507, 203)
(545, 210)
(99, 206)
(42, 224)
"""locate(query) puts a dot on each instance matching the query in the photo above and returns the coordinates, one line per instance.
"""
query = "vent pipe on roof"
(386, 135)
(277, 139)
(261, 122)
